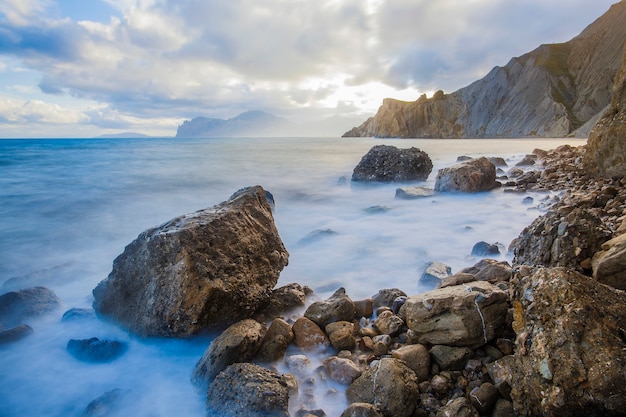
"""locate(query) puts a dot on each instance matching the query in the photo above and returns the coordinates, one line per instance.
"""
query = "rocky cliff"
(554, 91)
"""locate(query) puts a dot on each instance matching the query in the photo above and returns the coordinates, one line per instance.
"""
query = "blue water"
(69, 206)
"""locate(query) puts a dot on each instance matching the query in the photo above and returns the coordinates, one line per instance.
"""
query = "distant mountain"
(130, 135)
(556, 90)
(250, 123)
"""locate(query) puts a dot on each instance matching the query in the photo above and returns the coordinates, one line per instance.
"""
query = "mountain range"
(557, 90)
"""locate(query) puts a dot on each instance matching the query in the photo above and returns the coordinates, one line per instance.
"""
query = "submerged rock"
(384, 163)
(245, 389)
(412, 193)
(18, 306)
(571, 343)
(15, 334)
(109, 404)
(203, 270)
(470, 176)
(96, 350)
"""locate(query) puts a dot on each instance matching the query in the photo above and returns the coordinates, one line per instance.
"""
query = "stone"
(250, 390)
(470, 176)
(500, 373)
(388, 384)
(459, 407)
(338, 307)
(434, 273)
(384, 163)
(111, 403)
(464, 315)
(364, 308)
(285, 299)
(316, 236)
(484, 398)
(503, 408)
(308, 336)
(19, 306)
(388, 323)
(609, 264)
(15, 334)
(485, 249)
(450, 358)
(342, 370)
(440, 384)
(496, 272)
(240, 342)
(413, 193)
(456, 279)
(78, 314)
(497, 161)
(386, 297)
(203, 270)
(571, 347)
(361, 410)
(606, 146)
(342, 335)
(275, 342)
(415, 357)
(96, 350)
(528, 160)
(299, 365)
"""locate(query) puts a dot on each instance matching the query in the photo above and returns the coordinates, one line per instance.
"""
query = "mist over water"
(69, 207)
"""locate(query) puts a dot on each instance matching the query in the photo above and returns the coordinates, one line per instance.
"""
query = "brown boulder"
(470, 176)
(338, 307)
(308, 336)
(609, 265)
(384, 163)
(202, 270)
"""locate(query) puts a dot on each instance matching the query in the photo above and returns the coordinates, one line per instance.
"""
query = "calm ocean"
(69, 206)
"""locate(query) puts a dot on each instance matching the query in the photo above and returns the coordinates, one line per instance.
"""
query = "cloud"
(36, 111)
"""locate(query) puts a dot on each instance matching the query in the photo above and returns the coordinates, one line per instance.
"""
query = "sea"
(68, 207)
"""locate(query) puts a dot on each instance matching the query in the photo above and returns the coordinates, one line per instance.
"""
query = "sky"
(83, 68)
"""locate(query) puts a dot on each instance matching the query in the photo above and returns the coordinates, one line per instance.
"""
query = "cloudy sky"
(81, 68)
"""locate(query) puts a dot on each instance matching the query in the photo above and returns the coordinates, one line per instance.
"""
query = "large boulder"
(571, 346)
(606, 147)
(239, 343)
(609, 264)
(19, 306)
(390, 385)
(470, 176)
(202, 270)
(338, 307)
(245, 389)
(462, 315)
(384, 163)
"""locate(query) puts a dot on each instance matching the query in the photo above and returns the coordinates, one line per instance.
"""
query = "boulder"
(309, 336)
(238, 343)
(386, 297)
(571, 345)
(342, 335)
(338, 307)
(78, 314)
(564, 237)
(606, 147)
(485, 249)
(18, 306)
(609, 264)
(384, 163)
(434, 273)
(388, 323)
(96, 350)
(484, 398)
(412, 193)
(245, 389)
(15, 334)
(388, 384)
(496, 272)
(463, 315)
(470, 176)
(202, 270)
(415, 357)
(276, 340)
(342, 370)
(111, 403)
(451, 358)
(361, 410)
(284, 299)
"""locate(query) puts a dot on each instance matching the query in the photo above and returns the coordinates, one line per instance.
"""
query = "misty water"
(69, 207)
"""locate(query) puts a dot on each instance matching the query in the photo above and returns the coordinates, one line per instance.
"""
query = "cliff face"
(556, 90)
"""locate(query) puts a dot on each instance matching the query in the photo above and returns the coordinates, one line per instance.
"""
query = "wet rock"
(457, 279)
(202, 270)
(571, 351)
(464, 315)
(413, 193)
(361, 410)
(342, 335)
(342, 370)
(96, 350)
(111, 403)
(434, 273)
(503, 408)
(496, 272)
(308, 336)
(528, 160)
(238, 343)
(500, 373)
(388, 323)
(484, 398)
(470, 176)
(78, 314)
(277, 338)
(390, 385)
(384, 163)
(250, 390)
(459, 407)
(609, 264)
(284, 299)
(339, 307)
(317, 235)
(386, 297)
(364, 308)
(299, 365)
(19, 306)
(415, 357)
(440, 384)
(485, 249)
(15, 334)
(450, 358)
(497, 161)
